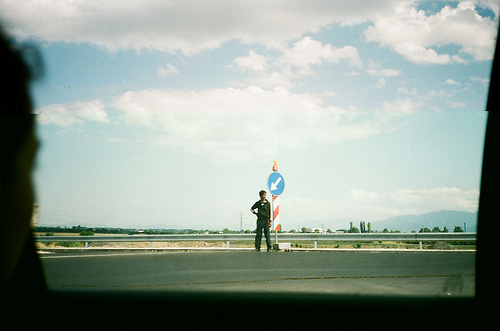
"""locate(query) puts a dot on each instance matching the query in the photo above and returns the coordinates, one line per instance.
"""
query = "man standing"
(263, 213)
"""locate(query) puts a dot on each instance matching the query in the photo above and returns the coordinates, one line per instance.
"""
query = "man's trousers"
(262, 224)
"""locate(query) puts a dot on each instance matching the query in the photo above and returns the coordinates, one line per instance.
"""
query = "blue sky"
(169, 114)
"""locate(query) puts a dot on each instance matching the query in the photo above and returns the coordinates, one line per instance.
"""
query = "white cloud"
(375, 70)
(360, 194)
(420, 54)
(228, 124)
(353, 73)
(193, 26)
(381, 83)
(484, 81)
(458, 59)
(57, 114)
(458, 104)
(412, 33)
(450, 81)
(70, 114)
(404, 90)
(227, 136)
(197, 25)
(237, 124)
(220, 99)
(401, 105)
(168, 71)
(169, 25)
(384, 72)
(294, 62)
(307, 52)
(269, 80)
(253, 62)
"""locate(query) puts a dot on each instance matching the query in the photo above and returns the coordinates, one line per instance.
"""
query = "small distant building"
(315, 230)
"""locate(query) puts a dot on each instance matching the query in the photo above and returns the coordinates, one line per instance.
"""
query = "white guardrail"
(282, 237)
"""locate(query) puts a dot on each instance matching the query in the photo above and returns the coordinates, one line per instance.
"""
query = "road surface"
(415, 273)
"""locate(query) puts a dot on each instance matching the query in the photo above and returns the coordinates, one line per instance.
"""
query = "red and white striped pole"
(276, 214)
(276, 208)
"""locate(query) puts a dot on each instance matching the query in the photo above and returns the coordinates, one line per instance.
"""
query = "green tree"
(369, 227)
(458, 229)
(353, 230)
(362, 226)
(436, 229)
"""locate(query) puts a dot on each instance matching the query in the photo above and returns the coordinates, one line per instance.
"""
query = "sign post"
(276, 214)
(276, 185)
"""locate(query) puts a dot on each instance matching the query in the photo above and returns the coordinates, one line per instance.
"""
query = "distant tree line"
(363, 228)
(83, 230)
(87, 231)
(367, 228)
(437, 229)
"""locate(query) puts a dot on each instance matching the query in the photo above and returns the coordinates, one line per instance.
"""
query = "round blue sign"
(276, 183)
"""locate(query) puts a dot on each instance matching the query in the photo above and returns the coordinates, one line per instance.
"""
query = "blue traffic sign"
(276, 183)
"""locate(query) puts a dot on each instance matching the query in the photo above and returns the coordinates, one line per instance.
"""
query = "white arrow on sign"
(274, 185)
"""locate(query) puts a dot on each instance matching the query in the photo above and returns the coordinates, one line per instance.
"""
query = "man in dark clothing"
(263, 213)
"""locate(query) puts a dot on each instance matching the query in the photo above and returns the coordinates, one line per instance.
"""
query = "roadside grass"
(250, 244)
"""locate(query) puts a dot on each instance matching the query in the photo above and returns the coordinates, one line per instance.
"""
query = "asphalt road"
(415, 273)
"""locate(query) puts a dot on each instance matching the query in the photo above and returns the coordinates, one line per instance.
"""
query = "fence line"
(291, 237)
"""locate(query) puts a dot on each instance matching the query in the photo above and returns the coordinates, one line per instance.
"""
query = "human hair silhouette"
(20, 267)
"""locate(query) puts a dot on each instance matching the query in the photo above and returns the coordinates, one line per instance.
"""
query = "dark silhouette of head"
(18, 145)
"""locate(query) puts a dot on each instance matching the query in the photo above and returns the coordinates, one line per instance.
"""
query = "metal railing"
(287, 237)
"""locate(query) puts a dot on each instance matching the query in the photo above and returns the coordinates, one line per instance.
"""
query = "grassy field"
(249, 244)
(369, 245)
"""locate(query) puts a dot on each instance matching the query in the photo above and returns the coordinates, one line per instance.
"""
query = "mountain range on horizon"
(403, 223)
(442, 218)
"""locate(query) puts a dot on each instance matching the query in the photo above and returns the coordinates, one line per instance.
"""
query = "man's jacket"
(263, 209)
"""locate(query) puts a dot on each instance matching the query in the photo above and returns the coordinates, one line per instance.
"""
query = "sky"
(169, 114)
